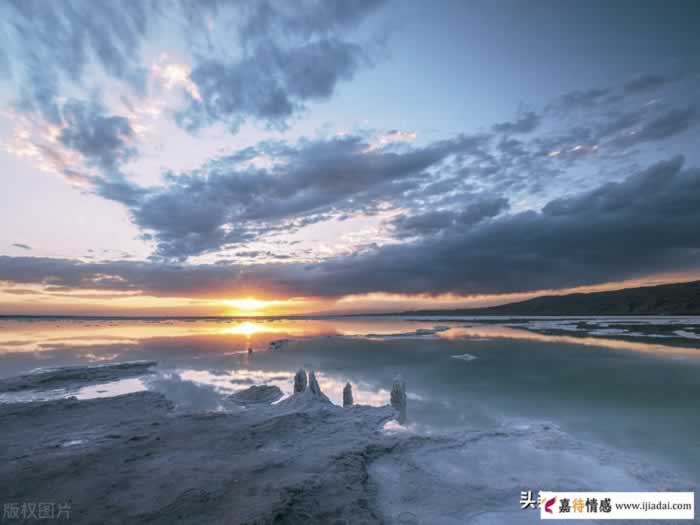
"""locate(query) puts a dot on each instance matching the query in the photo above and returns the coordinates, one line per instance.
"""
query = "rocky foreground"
(134, 459)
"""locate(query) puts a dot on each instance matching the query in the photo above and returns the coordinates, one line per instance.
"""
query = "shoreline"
(134, 458)
(300, 459)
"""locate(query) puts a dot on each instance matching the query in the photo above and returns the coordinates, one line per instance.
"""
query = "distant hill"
(665, 299)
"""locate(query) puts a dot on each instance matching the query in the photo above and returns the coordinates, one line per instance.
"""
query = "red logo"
(549, 504)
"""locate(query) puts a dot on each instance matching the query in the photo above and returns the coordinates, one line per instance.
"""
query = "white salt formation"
(305, 398)
(302, 461)
(72, 376)
(347, 395)
(300, 381)
(398, 398)
(257, 394)
(313, 385)
(297, 462)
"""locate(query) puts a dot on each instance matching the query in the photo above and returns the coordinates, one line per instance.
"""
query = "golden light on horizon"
(37, 299)
(252, 306)
(248, 304)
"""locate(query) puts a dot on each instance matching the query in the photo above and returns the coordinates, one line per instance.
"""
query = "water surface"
(630, 386)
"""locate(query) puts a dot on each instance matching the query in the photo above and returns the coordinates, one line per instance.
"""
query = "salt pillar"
(300, 381)
(347, 395)
(313, 385)
(398, 397)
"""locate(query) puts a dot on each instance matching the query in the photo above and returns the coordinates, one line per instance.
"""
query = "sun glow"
(249, 304)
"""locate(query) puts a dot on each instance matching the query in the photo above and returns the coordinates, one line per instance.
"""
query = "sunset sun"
(249, 305)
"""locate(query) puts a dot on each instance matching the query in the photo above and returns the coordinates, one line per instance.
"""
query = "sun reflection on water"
(247, 328)
(104, 340)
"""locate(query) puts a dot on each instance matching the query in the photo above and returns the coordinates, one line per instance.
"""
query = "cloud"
(230, 201)
(302, 19)
(49, 42)
(20, 291)
(572, 241)
(659, 83)
(106, 141)
(581, 99)
(270, 85)
(86, 145)
(292, 53)
(393, 136)
(644, 83)
(275, 187)
(472, 213)
(607, 123)
(662, 127)
(266, 60)
(526, 123)
(446, 221)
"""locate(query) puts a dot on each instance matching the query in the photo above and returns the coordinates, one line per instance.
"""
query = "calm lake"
(605, 404)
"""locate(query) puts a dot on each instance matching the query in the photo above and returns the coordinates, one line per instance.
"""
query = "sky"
(183, 157)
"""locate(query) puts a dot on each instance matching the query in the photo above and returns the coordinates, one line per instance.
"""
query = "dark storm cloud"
(446, 221)
(572, 241)
(104, 140)
(158, 279)
(229, 201)
(22, 246)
